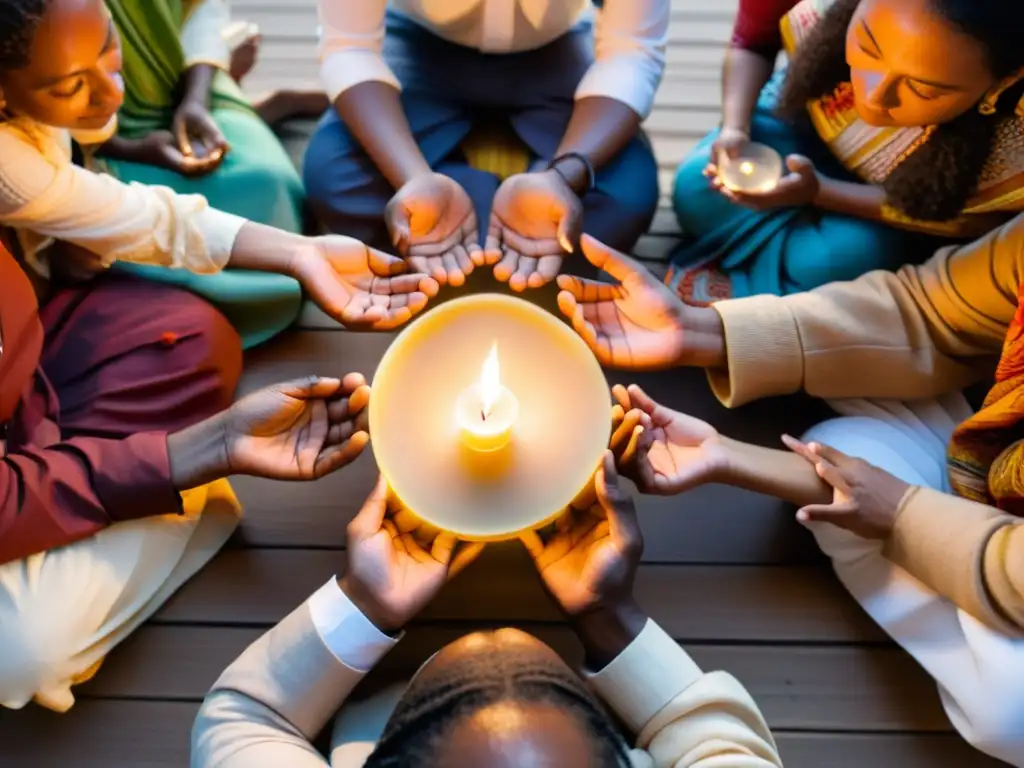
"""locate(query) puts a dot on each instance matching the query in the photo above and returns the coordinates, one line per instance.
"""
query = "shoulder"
(30, 157)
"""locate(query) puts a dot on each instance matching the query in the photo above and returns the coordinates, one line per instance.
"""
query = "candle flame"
(746, 168)
(490, 382)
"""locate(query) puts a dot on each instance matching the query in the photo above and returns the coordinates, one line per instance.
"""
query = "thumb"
(832, 455)
(180, 128)
(397, 218)
(618, 505)
(310, 387)
(643, 401)
(570, 227)
(370, 518)
(384, 264)
(800, 165)
(616, 264)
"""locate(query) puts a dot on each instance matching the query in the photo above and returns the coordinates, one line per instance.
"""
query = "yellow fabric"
(496, 150)
(62, 611)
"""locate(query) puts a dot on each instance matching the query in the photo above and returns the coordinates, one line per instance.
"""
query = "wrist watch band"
(591, 176)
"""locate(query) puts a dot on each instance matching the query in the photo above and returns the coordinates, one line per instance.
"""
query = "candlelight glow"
(490, 382)
(746, 168)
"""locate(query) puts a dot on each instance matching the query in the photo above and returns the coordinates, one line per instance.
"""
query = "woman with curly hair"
(900, 121)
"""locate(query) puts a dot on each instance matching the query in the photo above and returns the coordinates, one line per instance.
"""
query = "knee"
(332, 171)
(689, 188)
(833, 251)
(624, 206)
(210, 353)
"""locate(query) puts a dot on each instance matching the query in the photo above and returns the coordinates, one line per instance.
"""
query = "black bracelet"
(591, 176)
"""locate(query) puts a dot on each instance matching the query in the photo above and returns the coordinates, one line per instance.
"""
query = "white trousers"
(62, 611)
(979, 671)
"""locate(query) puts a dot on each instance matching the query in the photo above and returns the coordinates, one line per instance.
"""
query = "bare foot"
(278, 106)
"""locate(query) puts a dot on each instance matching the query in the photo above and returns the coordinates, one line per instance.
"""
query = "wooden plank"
(153, 734)
(693, 602)
(747, 528)
(799, 687)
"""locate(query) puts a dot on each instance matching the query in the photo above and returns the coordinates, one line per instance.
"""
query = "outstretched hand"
(362, 287)
(638, 324)
(391, 576)
(866, 499)
(300, 430)
(591, 561)
(434, 226)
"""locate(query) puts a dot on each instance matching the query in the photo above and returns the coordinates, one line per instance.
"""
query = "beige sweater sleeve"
(41, 191)
(272, 701)
(971, 553)
(921, 332)
(683, 717)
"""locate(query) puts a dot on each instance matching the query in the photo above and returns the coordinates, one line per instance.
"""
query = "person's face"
(910, 67)
(73, 79)
(508, 734)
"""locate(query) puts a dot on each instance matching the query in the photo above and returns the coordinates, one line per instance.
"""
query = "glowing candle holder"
(755, 171)
(482, 450)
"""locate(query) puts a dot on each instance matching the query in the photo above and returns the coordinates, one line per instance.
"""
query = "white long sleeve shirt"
(630, 42)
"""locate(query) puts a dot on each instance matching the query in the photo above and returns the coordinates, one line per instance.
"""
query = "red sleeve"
(53, 496)
(757, 25)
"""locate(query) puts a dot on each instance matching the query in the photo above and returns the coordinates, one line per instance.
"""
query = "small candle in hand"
(755, 170)
(486, 412)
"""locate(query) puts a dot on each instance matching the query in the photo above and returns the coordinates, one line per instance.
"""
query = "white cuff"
(632, 79)
(646, 676)
(220, 230)
(350, 636)
(346, 68)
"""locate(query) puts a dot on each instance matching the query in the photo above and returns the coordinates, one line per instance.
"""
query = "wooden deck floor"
(729, 574)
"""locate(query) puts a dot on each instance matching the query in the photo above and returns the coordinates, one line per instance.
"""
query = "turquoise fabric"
(787, 250)
(257, 181)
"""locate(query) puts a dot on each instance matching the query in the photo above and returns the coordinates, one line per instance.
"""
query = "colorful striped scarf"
(986, 454)
(154, 62)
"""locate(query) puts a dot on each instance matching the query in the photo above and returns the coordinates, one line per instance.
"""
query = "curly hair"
(429, 710)
(18, 22)
(935, 182)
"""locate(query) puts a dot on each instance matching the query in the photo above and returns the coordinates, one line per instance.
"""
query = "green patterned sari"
(256, 180)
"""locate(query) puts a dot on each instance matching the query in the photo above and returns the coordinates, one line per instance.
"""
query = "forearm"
(773, 472)
(120, 148)
(198, 454)
(598, 130)
(373, 112)
(743, 76)
(196, 84)
(266, 249)
(863, 201)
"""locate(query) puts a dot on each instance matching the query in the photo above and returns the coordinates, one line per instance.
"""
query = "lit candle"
(486, 412)
(756, 170)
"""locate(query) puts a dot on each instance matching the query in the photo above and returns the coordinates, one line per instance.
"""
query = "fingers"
(570, 227)
(830, 454)
(466, 554)
(616, 264)
(179, 127)
(371, 516)
(837, 514)
(585, 290)
(621, 395)
(533, 544)
(310, 387)
(799, 164)
(799, 448)
(617, 504)
(396, 217)
(337, 456)
(622, 434)
(828, 472)
(384, 264)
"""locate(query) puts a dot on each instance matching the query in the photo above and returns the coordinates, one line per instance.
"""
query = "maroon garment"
(87, 407)
(757, 26)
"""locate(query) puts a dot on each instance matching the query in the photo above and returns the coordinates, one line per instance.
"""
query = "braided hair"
(935, 182)
(18, 22)
(431, 708)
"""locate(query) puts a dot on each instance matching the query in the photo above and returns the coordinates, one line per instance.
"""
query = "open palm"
(675, 452)
(636, 324)
(389, 572)
(300, 430)
(362, 287)
(433, 225)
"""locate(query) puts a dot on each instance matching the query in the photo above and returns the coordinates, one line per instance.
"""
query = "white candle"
(756, 170)
(486, 412)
